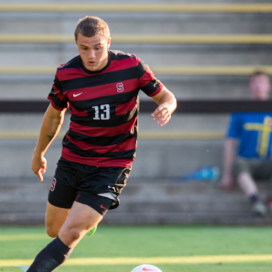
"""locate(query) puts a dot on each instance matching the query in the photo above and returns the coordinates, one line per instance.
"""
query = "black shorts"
(84, 184)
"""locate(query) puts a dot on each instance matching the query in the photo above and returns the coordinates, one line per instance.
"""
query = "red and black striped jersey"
(104, 106)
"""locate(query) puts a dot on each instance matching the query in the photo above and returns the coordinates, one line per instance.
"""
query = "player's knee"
(73, 233)
(51, 231)
(70, 235)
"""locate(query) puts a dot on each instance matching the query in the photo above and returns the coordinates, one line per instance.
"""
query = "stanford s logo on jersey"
(53, 185)
(120, 87)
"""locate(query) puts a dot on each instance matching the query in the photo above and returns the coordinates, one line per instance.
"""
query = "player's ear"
(109, 42)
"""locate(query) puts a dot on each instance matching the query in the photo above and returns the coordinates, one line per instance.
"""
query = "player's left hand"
(162, 114)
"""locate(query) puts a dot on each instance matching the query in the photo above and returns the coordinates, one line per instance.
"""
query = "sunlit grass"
(172, 248)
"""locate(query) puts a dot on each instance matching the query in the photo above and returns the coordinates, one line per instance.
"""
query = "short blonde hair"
(89, 26)
(258, 73)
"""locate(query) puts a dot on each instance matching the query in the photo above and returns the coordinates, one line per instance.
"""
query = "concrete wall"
(158, 160)
(27, 87)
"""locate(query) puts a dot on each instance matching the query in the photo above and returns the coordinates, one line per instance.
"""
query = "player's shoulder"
(68, 69)
(72, 63)
(116, 55)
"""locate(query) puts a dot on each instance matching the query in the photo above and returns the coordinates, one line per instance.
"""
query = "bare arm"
(228, 158)
(167, 105)
(51, 124)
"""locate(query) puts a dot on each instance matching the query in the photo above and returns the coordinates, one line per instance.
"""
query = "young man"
(250, 135)
(100, 87)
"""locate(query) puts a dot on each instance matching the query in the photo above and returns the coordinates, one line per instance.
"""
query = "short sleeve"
(234, 129)
(56, 96)
(148, 83)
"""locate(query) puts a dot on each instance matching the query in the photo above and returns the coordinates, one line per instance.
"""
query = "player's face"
(260, 87)
(93, 51)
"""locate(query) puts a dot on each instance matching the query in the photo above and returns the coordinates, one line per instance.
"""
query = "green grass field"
(172, 248)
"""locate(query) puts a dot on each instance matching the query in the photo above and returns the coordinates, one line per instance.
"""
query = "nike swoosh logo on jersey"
(76, 95)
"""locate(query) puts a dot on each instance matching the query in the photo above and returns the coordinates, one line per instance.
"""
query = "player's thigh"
(79, 221)
(54, 218)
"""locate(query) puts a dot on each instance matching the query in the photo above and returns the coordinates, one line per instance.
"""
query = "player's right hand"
(39, 165)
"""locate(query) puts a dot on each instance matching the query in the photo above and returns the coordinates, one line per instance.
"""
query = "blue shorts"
(97, 187)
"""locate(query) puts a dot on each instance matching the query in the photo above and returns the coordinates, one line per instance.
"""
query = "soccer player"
(100, 87)
(247, 155)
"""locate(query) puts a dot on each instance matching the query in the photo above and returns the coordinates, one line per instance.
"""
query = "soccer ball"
(146, 268)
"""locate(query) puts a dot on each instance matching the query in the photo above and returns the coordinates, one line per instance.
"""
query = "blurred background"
(203, 51)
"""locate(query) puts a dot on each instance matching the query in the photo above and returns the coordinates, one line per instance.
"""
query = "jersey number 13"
(101, 112)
